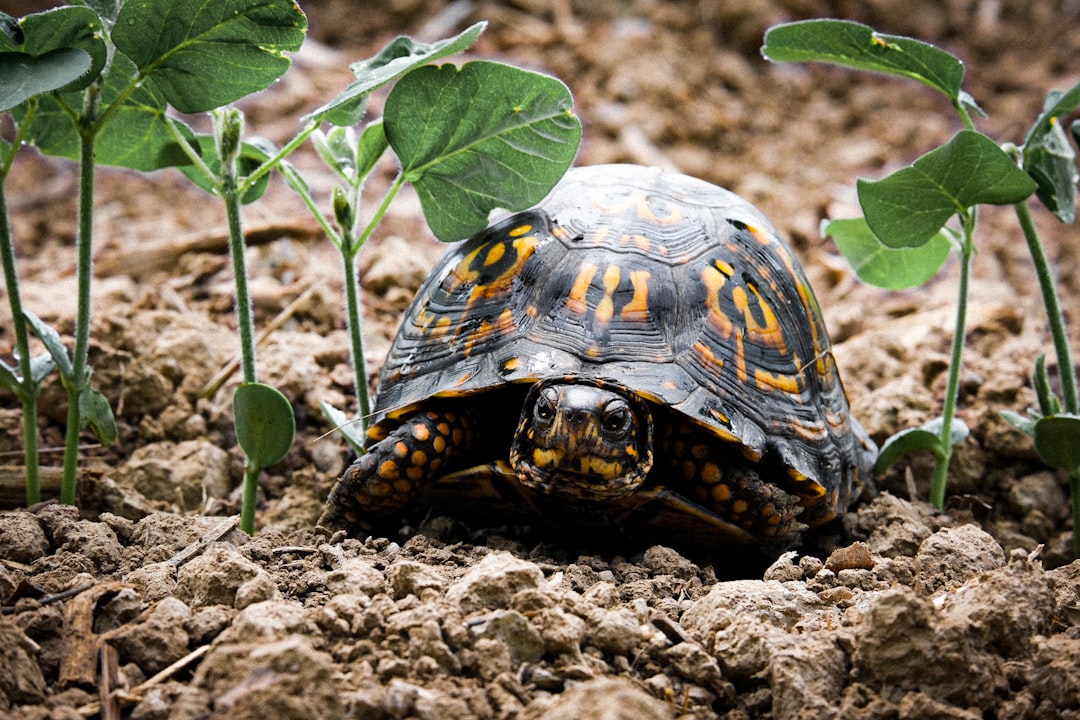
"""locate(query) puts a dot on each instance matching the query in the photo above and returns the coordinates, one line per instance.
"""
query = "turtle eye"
(544, 408)
(617, 420)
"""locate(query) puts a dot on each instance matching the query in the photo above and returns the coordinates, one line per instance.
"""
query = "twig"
(226, 372)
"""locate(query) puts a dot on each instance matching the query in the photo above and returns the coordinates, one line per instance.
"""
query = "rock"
(492, 582)
(158, 639)
(601, 699)
(185, 473)
(522, 639)
(215, 577)
(901, 644)
(22, 538)
(21, 682)
(950, 557)
(285, 679)
(412, 578)
(614, 631)
(270, 621)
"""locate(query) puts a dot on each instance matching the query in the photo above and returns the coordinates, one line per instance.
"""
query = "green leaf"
(400, 56)
(854, 45)
(23, 76)
(9, 380)
(351, 430)
(885, 267)
(138, 136)
(1022, 423)
(107, 10)
(910, 206)
(373, 144)
(52, 342)
(95, 413)
(252, 156)
(265, 425)
(481, 137)
(911, 440)
(1049, 157)
(41, 366)
(1057, 440)
(43, 34)
(202, 54)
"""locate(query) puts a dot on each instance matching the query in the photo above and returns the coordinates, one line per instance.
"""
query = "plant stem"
(79, 374)
(1054, 316)
(354, 315)
(250, 496)
(244, 321)
(956, 355)
(350, 251)
(28, 395)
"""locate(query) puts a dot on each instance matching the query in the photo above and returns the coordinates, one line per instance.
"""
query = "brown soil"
(146, 602)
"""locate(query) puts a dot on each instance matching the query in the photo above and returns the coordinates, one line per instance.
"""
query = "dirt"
(147, 602)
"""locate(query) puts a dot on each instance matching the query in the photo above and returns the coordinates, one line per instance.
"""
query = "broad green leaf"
(96, 414)
(252, 156)
(202, 54)
(911, 440)
(52, 342)
(265, 425)
(910, 206)
(138, 136)
(883, 266)
(1049, 157)
(1057, 440)
(854, 45)
(399, 57)
(45, 33)
(23, 76)
(477, 138)
(351, 430)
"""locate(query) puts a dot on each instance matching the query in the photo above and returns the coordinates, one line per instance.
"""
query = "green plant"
(144, 57)
(469, 139)
(903, 238)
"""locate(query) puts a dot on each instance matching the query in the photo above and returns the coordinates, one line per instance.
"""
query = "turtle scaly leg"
(721, 480)
(383, 480)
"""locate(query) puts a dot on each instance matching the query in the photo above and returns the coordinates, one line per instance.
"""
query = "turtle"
(639, 351)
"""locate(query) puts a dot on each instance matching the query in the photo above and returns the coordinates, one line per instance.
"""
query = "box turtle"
(642, 349)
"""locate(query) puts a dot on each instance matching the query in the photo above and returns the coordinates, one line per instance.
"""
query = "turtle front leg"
(396, 466)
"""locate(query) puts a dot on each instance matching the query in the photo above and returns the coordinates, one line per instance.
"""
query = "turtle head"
(586, 439)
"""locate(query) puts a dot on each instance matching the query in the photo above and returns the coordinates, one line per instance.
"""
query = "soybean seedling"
(902, 239)
(470, 140)
(144, 58)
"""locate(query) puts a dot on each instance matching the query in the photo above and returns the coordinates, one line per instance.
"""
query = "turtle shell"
(675, 288)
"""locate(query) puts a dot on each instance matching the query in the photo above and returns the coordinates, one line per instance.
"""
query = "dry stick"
(226, 372)
(211, 536)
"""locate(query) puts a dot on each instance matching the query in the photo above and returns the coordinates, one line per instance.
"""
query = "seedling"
(903, 238)
(132, 62)
(469, 139)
